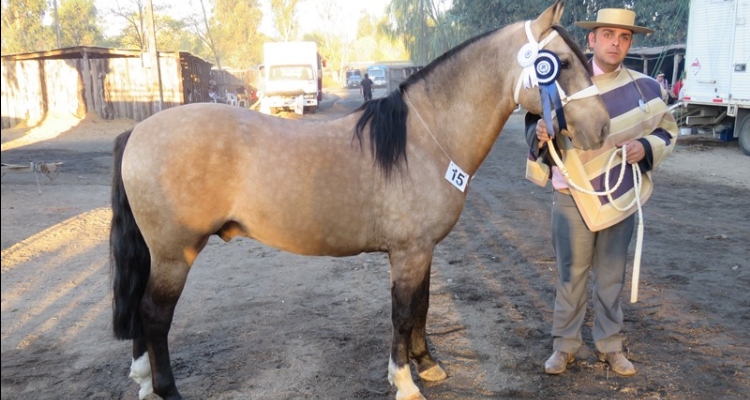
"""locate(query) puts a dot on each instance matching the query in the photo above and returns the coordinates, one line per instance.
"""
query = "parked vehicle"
(378, 74)
(717, 80)
(292, 77)
(354, 81)
(349, 73)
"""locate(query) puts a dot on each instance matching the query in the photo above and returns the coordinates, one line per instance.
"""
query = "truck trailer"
(716, 92)
(292, 77)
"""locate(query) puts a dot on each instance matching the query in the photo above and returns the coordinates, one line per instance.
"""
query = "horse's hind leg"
(140, 369)
(410, 286)
(157, 309)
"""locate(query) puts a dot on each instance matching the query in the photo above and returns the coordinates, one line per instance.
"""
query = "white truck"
(291, 77)
(717, 78)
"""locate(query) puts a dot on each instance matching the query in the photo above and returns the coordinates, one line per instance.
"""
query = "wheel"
(744, 134)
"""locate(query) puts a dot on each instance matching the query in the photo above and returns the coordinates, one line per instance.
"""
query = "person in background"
(365, 87)
(677, 87)
(588, 233)
(664, 83)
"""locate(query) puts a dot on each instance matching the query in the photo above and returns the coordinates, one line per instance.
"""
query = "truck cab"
(291, 77)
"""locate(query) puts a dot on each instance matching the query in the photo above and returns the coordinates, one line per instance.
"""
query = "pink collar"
(598, 71)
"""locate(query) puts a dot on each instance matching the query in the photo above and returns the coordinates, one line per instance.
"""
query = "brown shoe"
(558, 362)
(618, 363)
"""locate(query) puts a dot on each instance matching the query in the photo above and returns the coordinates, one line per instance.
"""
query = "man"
(664, 83)
(588, 232)
(365, 87)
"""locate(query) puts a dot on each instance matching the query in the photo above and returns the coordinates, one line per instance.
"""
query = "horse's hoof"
(433, 374)
(413, 396)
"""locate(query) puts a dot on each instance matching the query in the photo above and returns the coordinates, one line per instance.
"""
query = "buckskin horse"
(389, 177)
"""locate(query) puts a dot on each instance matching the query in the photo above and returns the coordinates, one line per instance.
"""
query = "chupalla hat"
(615, 18)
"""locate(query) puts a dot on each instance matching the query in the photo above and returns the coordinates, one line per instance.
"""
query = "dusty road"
(256, 323)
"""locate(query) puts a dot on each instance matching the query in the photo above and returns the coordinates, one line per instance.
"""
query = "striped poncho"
(652, 124)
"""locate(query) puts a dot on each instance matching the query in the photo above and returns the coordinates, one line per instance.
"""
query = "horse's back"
(192, 169)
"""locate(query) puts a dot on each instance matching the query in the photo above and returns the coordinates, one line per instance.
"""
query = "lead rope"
(637, 185)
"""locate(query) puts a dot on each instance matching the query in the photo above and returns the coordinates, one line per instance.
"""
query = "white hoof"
(413, 396)
(401, 378)
(140, 372)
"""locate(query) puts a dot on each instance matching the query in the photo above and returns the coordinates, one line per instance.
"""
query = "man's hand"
(635, 151)
(541, 133)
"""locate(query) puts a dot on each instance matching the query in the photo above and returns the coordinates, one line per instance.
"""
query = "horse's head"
(585, 114)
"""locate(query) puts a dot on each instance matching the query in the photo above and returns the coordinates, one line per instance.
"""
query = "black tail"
(130, 257)
(387, 116)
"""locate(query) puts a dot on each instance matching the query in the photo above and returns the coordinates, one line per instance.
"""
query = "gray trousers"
(579, 251)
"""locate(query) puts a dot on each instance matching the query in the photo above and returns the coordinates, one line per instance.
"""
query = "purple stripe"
(625, 98)
(627, 182)
(663, 135)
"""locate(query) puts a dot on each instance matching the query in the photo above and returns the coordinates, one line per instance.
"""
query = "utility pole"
(153, 53)
(57, 23)
(422, 55)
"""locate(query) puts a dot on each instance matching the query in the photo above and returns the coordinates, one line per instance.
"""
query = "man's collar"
(598, 71)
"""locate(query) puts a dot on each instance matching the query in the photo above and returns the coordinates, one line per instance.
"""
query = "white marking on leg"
(401, 377)
(140, 372)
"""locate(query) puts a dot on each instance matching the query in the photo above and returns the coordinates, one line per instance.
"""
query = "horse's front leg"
(410, 287)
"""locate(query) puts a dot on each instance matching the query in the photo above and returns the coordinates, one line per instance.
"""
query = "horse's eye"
(564, 64)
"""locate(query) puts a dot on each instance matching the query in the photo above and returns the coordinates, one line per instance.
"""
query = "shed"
(113, 83)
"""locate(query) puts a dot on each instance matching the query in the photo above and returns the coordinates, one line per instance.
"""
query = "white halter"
(526, 57)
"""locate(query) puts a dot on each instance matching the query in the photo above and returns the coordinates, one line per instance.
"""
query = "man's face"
(610, 46)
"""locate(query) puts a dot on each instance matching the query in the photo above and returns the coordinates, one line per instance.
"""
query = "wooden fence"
(112, 83)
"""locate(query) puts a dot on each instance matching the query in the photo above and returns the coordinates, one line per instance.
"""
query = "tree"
(78, 25)
(235, 30)
(424, 27)
(22, 27)
(134, 36)
(667, 17)
(284, 18)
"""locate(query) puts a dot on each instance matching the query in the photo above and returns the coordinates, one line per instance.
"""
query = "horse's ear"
(558, 8)
(549, 17)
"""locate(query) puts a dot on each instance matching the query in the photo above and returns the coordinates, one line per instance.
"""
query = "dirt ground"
(256, 323)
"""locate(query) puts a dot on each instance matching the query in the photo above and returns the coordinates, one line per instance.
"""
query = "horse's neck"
(464, 104)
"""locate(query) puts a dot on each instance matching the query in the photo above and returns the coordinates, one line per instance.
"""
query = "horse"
(391, 176)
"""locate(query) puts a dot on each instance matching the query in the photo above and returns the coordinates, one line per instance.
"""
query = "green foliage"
(133, 35)
(235, 32)
(22, 27)
(78, 23)
(668, 17)
(284, 18)
(424, 27)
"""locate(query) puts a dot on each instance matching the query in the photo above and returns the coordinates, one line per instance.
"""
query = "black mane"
(387, 115)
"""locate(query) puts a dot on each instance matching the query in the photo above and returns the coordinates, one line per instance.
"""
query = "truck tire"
(311, 109)
(744, 134)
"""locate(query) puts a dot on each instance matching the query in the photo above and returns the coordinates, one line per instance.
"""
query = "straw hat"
(615, 18)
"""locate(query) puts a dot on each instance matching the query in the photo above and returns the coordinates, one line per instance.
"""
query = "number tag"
(457, 177)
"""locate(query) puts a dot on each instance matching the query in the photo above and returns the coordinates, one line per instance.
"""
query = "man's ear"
(592, 38)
